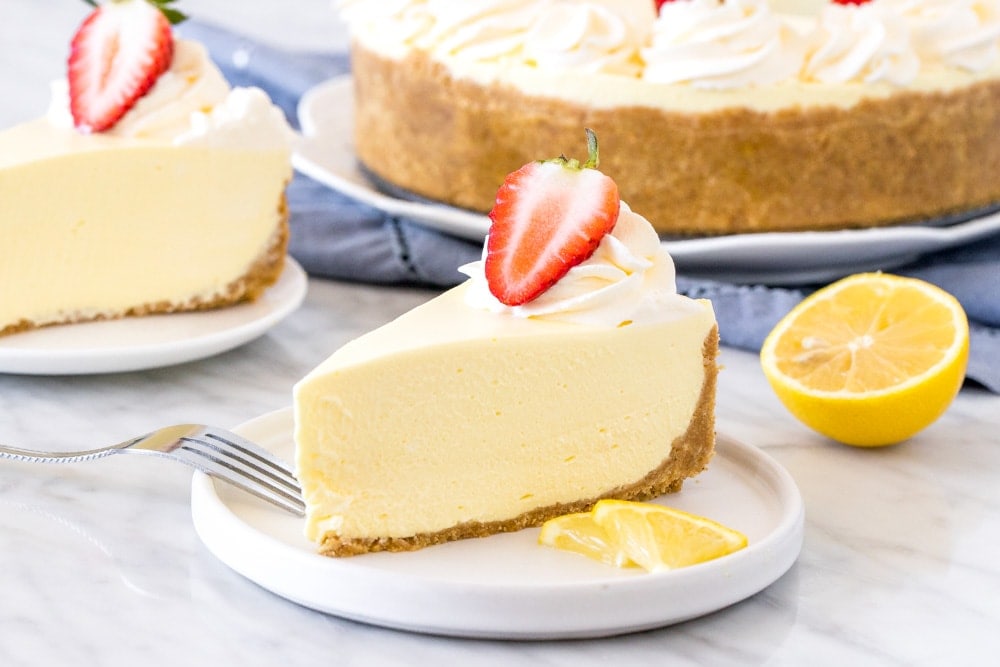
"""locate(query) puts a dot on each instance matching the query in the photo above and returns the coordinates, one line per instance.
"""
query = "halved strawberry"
(115, 57)
(549, 216)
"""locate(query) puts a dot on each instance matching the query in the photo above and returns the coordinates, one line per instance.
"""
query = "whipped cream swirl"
(192, 103)
(736, 44)
(554, 34)
(868, 43)
(957, 33)
(479, 30)
(629, 278)
(396, 21)
(583, 36)
(707, 44)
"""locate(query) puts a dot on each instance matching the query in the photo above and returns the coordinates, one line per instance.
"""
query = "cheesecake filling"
(85, 254)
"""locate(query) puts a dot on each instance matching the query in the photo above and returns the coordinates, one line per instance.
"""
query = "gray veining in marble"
(100, 565)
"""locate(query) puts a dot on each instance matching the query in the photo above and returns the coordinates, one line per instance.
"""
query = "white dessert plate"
(326, 154)
(139, 343)
(508, 586)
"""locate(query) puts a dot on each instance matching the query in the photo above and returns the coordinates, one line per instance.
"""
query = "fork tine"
(263, 488)
(230, 460)
(268, 480)
(271, 465)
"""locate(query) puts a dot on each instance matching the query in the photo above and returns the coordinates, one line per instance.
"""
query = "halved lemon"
(871, 359)
(654, 537)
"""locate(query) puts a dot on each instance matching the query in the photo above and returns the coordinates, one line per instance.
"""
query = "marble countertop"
(100, 564)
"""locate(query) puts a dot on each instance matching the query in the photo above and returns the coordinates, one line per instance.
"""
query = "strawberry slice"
(115, 57)
(549, 216)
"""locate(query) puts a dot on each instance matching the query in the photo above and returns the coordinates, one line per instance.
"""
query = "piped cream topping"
(864, 43)
(739, 43)
(629, 278)
(955, 33)
(587, 37)
(192, 104)
(476, 31)
(770, 59)
(552, 34)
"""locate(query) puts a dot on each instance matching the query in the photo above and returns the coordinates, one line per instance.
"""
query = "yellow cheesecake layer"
(602, 91)
(94, 226)
(451, 422)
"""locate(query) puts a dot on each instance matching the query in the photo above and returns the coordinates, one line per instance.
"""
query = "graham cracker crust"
(690, 454)
(261, 274)
(907, 157)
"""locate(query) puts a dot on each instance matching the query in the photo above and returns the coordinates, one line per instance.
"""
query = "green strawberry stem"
(573, 163)
(172, 15)
(592, 154)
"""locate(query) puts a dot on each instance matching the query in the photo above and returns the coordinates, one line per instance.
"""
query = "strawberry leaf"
(174, 16)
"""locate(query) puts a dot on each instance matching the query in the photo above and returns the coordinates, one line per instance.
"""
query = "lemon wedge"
(630, 534)
(580, 534)
(869, 360)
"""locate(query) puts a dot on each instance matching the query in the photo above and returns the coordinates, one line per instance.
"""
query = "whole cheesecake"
(717, 117)
(178, 205)
(468, 416)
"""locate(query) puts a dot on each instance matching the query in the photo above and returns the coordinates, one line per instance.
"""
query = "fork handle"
(17, 454)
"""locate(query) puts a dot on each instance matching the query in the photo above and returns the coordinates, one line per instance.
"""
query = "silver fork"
(214, 451)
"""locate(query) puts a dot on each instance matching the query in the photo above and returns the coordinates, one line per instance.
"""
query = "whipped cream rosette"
(630, 277)
(735, 44)
(587, 37)
(192, 103)
(868, 43)
(955, 33)
(479, 31)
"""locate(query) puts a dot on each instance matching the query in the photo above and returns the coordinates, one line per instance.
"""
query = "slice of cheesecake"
(451, 422)
(173, 201)
(95, 227)
(469, 416)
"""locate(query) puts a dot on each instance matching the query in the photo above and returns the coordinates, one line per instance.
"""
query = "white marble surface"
(100, 565)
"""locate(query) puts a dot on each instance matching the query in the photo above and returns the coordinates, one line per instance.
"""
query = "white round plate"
(138, 343)
(508, 586)
(326, 154)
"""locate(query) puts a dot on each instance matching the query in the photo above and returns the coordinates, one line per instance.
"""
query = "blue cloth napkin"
(334, 236)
